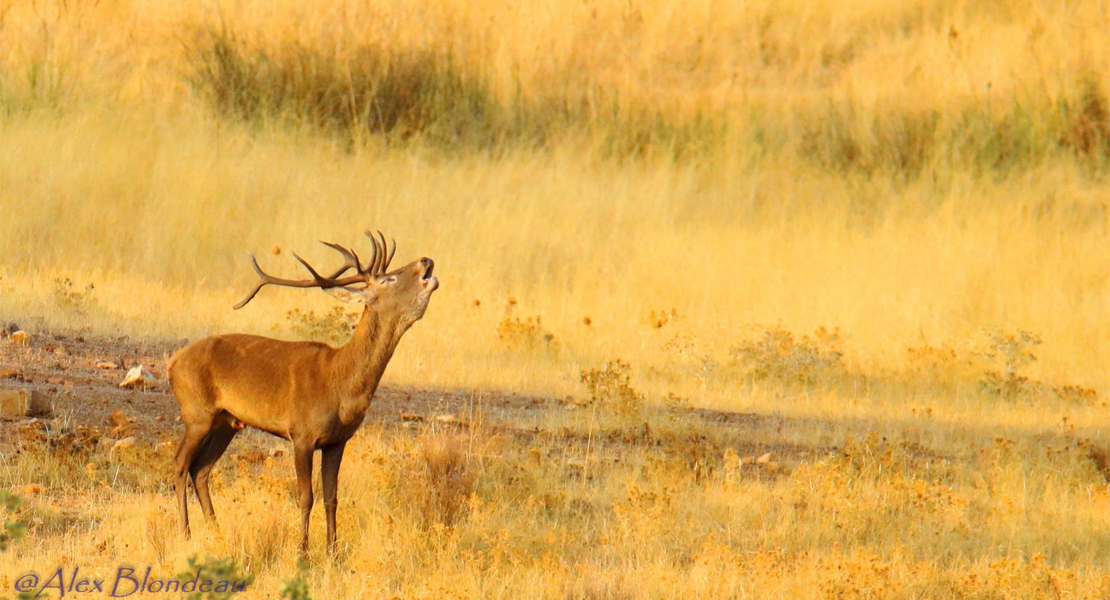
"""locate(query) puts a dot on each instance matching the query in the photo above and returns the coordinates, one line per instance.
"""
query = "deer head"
(403, 292)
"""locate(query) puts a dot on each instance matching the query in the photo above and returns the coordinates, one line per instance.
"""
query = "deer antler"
(351, 261)
(381, 259)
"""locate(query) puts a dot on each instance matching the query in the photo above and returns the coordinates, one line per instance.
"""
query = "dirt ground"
(80, 374)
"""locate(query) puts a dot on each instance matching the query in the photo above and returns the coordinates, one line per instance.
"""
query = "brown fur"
(308, 393)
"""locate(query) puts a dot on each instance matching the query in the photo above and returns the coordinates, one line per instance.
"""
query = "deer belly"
(242, 411)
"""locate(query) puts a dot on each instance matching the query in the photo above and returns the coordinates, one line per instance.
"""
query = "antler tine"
(263, 281)
(350, 259)
(317, 278)
(379, 254)
(385, 258)
(392, 251)
(373, 266)
(316, 281)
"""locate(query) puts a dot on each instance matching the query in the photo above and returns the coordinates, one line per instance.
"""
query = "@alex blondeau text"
(123, 582)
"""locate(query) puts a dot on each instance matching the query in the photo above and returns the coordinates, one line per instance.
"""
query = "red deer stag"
(306, 392)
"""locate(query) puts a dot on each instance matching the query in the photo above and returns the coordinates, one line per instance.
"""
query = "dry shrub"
(333, 327)
(526, 334)
(777, 356)
(658, 319)
(1032, 578)
(610, 388)
(945, 364)
(55, 455)
(863, 574)
(1010, 353)
(993, 365)
(73, 298)
(691, 358)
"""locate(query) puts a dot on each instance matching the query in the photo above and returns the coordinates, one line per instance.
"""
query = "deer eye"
(387, 280)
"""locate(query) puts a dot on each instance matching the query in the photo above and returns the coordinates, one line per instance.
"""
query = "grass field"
(882, 226)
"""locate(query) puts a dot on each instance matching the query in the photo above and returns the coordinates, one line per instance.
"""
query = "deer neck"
(359, 364)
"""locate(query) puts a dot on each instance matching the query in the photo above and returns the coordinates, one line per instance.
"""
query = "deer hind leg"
(215, 443)
(195, 434)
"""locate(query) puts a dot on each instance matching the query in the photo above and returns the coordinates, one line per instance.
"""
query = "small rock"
(106, 364)
(159, 418)
(766, 458)
(23, 403)
(138, 377)
(55, 381)
(22, 338)
(447, 418)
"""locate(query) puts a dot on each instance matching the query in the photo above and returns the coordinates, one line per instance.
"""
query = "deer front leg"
(302, 457)
(329, 471)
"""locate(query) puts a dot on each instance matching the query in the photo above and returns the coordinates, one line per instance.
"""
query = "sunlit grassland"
(495, 514)
(162, 228)
(665, 184)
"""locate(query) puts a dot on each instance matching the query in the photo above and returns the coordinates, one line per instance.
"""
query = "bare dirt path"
(80, 374)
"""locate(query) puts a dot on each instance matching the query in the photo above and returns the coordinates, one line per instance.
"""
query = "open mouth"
(430, 283)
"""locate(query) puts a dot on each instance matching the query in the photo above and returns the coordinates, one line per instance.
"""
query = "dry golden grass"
(490, 513)
(711, 183)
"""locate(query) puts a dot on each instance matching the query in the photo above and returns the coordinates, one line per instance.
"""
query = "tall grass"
(352, 89)
(160, 220)
(890, 90)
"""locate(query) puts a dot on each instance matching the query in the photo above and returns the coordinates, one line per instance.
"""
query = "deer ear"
(345, 295)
